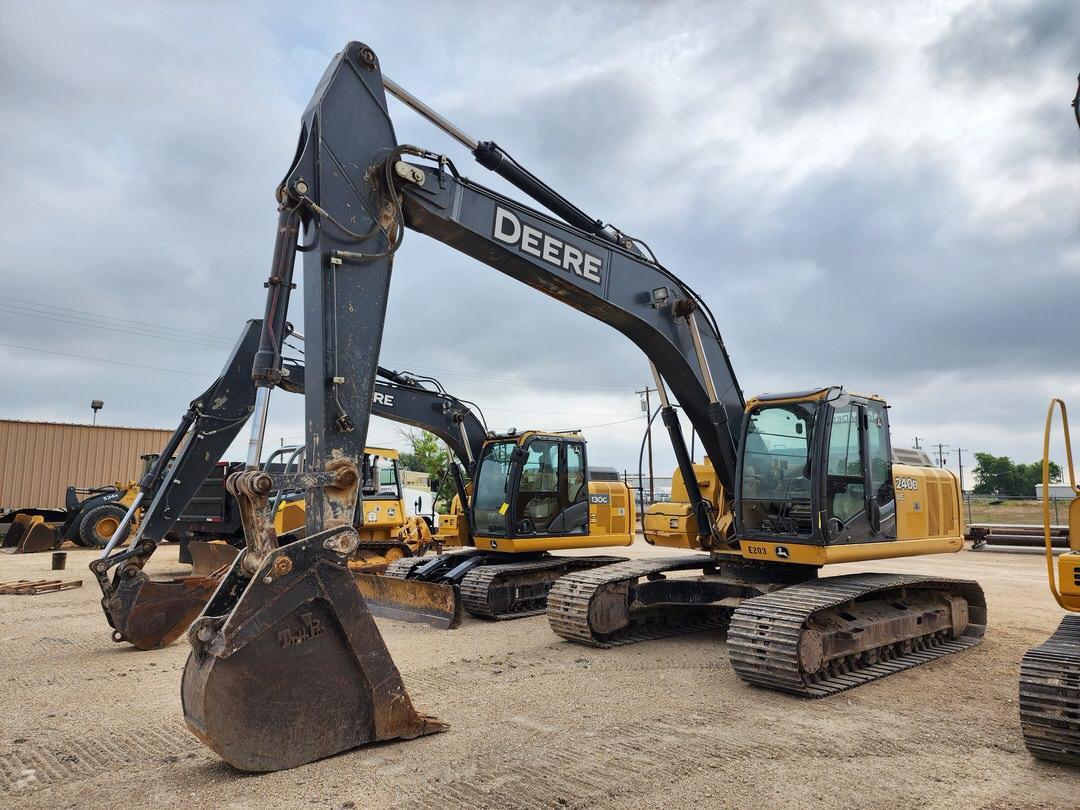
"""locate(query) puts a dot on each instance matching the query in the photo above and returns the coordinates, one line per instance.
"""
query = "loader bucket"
(410, 600)
(209, 558)
(29, 534)
(149, 614)
(297, 670)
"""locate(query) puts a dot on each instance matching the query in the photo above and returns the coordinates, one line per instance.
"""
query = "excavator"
(1050, 673)
(800, 480)
(150, 614)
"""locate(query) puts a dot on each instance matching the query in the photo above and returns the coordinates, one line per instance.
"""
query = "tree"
(427, 454)
(1000, 475)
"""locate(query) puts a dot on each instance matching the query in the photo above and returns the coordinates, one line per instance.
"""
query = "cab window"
(538, 488)
(489, 502)
(845, 491)
(552, 496)
(776, 469)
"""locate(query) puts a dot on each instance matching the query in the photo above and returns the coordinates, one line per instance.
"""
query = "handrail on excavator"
(1046, 489)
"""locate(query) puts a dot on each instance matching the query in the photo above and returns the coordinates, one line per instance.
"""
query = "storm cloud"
(880, 196)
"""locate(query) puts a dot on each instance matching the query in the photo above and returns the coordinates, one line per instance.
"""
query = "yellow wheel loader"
(93, 515)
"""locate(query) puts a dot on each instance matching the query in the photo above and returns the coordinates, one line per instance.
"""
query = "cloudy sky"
(884, 196)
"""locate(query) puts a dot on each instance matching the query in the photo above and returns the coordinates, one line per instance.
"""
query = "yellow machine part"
(673, 524)
(385, 521)
(612, 522)
(454, 526)
(1066, 588)
(929, 520)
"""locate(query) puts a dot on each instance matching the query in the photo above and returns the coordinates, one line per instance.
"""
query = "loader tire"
(98, 525)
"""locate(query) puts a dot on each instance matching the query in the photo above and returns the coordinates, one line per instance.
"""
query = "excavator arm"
(151, 614)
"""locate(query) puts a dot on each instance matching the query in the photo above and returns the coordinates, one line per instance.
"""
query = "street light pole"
(96, 405)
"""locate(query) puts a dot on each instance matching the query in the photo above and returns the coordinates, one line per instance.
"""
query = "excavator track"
(516, 590)
(400, 569)
(594, 607)
(1050, 695)
(821, 637)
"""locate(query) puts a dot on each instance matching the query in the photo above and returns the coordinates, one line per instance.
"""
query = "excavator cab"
(531, 486)
(815, 468)
(818, 482)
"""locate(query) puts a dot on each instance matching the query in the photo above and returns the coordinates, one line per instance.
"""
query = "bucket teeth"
(296, 670)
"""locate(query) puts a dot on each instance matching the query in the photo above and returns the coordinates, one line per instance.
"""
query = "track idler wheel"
(149, 614)
(296, 670)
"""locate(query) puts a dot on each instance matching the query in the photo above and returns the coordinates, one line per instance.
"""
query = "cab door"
(551, 496)
(858, 500)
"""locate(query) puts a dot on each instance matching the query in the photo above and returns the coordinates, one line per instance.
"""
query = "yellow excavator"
(1050, 673)
(538, 481)
(287, 664)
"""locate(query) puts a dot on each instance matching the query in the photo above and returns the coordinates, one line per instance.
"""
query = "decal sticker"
(903, 482)
(600, 499)
(508, 228)
(380, 398)
(503, 508)
(391, 512)
(372, 516)
(782, 552)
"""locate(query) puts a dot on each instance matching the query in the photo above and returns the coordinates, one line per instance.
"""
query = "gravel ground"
(537, 722)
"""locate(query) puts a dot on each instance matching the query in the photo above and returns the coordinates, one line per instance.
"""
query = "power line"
(104, 360)
(176, 338)
(97, 315)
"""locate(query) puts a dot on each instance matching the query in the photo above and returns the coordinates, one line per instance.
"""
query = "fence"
(1014, 510)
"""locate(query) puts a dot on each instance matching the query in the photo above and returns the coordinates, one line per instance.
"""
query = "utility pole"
(940, 453)
(917, 447)
(646, 405)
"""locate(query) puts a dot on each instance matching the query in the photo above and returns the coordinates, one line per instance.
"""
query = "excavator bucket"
(410, 600)
(296, 670)
(28, 534)
(149, 614)
(207, 558)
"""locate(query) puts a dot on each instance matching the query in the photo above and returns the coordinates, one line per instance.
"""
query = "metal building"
(40, 460)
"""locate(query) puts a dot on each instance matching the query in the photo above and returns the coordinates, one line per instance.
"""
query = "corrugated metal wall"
(39, 460)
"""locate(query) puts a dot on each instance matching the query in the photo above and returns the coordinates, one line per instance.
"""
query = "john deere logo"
(782, 552)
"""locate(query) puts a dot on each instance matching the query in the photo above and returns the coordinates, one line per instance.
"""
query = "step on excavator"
(802, 480)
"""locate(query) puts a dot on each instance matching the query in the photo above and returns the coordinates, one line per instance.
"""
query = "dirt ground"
(538, 722)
